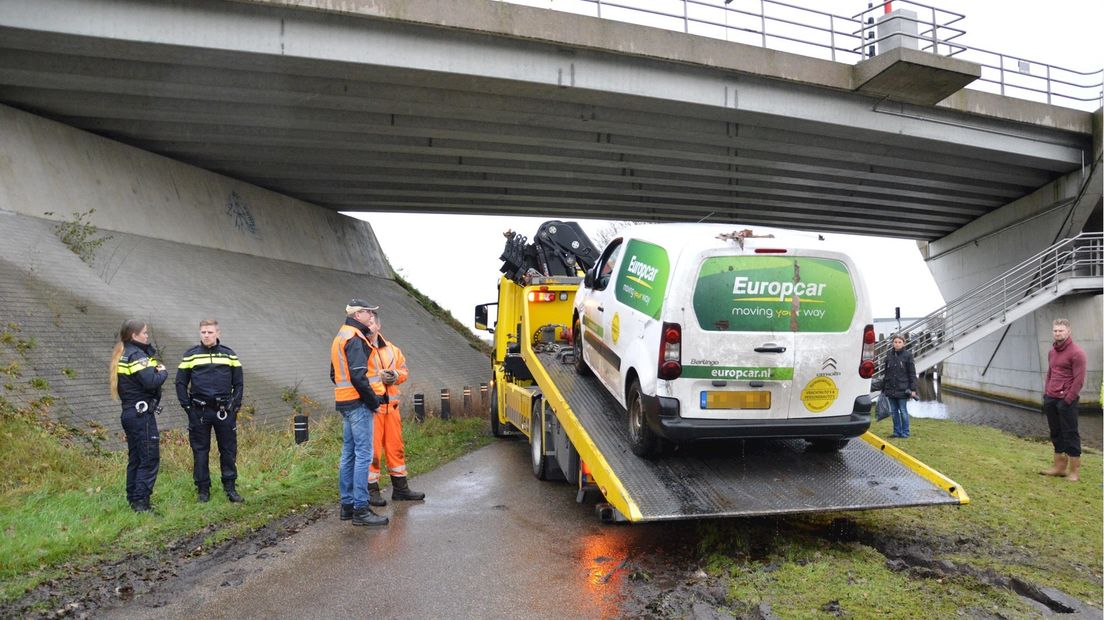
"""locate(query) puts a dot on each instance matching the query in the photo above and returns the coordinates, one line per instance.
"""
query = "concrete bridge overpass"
(470, 106)
(266, 110)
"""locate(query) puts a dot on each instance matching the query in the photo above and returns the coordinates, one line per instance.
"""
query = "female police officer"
(136, 380)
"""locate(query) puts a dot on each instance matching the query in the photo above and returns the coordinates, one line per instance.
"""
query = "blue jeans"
(356, 456)
(899, 406)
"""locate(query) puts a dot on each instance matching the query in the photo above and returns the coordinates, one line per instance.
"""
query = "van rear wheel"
(642, 440)
(580, 364)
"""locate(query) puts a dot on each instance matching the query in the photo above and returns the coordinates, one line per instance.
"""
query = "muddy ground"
(667, 582)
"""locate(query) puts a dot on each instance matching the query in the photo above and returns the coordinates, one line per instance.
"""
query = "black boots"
(141, 505)
(375, 498)
(203, 495)
(365, 516)
(401, 492)
(232, 493)
(346, 512)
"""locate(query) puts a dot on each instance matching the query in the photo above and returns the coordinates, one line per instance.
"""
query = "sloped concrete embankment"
(186, 244)
(279, 316)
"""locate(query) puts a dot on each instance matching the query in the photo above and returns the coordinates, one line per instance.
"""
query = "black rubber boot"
(203, 495)
(141, 505)
(365, 516)
(375, 498)
(400, 491)
(346, 512)
(232, 493)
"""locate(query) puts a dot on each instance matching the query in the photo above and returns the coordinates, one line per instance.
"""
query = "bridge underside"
(359, 114)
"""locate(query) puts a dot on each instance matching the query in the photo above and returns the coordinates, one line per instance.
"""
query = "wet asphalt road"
(489, 542)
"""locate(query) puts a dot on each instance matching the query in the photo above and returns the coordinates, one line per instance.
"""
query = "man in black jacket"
(213, 401)
(899, 384)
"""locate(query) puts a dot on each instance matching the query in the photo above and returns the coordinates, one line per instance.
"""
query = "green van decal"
(774, 294)
(642, 278)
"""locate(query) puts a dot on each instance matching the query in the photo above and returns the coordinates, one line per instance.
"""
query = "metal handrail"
(783, 25)
(1080, 256)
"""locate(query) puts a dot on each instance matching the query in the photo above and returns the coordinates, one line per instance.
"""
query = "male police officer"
(215, 375)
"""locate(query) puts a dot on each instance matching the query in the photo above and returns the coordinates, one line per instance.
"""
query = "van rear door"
(828, 313)
(738, 350)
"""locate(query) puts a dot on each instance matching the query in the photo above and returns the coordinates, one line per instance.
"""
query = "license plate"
(736, 400)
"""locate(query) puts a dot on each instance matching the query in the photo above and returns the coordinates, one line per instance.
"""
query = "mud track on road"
(667, 582)
(155, 577)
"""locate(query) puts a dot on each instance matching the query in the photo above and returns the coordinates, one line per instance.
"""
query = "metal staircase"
(1071, 265)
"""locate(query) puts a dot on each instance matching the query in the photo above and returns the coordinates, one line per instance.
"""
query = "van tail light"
(670, 351)
(866, 365)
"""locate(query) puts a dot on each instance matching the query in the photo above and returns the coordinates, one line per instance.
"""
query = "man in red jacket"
(1065, 375)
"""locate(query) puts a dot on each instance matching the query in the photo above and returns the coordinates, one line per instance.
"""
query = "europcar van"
(704, 332)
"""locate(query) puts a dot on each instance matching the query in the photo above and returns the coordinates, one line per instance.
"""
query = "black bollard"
(446, 412)
(302, 430)
(483, 395)
(467, 400)
(419, 407)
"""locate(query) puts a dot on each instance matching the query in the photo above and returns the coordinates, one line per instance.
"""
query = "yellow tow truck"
(577, 432)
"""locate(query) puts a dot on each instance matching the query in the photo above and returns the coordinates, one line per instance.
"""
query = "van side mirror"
(588, 278)
(481, 318)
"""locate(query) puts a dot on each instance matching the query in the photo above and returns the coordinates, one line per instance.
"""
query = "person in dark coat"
(899, 384)
(135, 380)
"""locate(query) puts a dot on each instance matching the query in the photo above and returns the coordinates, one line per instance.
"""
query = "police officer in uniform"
(213, 401)
(136, 380)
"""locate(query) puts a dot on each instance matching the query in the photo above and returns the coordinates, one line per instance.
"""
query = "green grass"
(63, 505)
(1043, 530)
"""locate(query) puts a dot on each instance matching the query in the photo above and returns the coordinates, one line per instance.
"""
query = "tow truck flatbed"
(730, 479)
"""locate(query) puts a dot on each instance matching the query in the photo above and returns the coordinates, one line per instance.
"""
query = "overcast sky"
(454, 259)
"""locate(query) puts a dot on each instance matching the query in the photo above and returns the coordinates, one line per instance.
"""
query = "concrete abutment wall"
(1012, 363)
(186, 244)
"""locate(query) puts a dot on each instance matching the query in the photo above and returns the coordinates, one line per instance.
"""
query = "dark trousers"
(1062, 420)
(200, 422)
(143, 453)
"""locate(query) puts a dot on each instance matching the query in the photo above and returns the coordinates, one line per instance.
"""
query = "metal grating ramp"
(725, 479)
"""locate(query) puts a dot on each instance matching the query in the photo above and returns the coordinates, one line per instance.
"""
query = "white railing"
(1080, 257)
(789, 27)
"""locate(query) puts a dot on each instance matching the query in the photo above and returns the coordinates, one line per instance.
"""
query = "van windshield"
(774, 294)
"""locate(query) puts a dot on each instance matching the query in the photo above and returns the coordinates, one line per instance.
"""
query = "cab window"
(606, 264)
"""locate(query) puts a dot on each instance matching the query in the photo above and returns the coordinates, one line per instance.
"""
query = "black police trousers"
(143, 453)
(201, 419)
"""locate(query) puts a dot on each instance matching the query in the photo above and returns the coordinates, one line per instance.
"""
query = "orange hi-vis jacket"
(385, 356)
(349, 367)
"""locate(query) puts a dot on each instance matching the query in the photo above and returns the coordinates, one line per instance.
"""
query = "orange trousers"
(387, 442)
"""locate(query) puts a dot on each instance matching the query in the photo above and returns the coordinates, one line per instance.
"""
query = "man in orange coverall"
(386, 370)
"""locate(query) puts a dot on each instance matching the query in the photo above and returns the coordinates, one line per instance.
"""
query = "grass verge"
(1019, 525)
(63, 505)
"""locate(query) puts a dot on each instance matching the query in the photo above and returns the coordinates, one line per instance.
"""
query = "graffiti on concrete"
(240, 214)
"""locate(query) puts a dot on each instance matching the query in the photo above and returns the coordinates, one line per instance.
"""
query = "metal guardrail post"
(763, 22)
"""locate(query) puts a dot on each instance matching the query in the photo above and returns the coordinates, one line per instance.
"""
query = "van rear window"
(774, 294)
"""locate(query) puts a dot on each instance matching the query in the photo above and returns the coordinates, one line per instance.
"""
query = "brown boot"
(1074, 474)
(1059, 469)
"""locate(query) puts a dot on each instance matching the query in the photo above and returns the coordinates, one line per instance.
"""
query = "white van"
(703, 332)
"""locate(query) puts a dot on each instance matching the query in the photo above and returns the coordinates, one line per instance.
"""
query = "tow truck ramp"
(729, 479)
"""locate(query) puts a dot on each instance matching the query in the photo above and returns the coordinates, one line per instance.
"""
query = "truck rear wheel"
(642, 440)
(541, 466)
(581, 367)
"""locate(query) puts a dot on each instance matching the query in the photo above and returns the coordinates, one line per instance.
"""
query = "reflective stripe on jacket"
(386, 356)
(137, 374)
(349, 367)
(212, 373)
